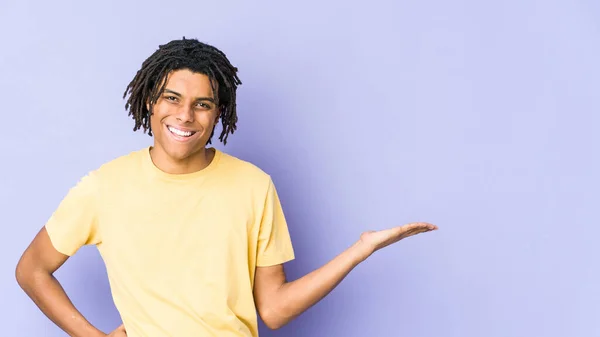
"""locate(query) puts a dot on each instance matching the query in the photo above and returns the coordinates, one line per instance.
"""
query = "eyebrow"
(197, 98)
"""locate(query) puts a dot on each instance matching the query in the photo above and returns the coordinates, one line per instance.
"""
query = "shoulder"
(119, 168)
(243, 172)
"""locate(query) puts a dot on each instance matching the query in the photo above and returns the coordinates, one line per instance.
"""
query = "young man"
(193, 239)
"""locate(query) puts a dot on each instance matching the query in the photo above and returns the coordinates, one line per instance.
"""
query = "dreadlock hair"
(149, 82)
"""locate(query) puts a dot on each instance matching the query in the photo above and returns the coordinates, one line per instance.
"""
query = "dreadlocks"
(150, 81)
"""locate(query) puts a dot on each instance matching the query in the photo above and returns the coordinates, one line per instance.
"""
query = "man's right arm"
(34, 274)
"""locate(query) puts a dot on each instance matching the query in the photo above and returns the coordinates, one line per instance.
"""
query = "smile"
(180, 134)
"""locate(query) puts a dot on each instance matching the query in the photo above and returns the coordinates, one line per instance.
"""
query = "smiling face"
(184, 117)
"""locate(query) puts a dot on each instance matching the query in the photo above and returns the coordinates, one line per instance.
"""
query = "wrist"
(360, 251)
(90, 332)
(99, 333)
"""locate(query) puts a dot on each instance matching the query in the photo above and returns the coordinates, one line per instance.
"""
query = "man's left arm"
(279, 301)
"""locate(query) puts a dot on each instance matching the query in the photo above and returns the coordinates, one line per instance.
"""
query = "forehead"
(188, 83)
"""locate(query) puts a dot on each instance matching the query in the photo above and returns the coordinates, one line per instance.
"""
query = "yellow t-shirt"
(180, 250)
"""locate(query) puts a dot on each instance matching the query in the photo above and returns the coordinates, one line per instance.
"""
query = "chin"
(180, 153)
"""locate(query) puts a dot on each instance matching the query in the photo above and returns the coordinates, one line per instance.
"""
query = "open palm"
(375, 240)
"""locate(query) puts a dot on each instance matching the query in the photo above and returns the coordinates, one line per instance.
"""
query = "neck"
(195, 162)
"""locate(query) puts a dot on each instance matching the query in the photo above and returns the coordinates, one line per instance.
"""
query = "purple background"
(480, 117)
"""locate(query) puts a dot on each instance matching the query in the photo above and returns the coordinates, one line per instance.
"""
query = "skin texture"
(188, 104)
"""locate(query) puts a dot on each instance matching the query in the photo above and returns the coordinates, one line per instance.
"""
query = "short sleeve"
(274, 242)
(75, 222)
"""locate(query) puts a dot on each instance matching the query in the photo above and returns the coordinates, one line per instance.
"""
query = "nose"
(185, 114)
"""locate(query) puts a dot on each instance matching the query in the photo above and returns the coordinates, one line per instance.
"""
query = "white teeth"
(179, 132)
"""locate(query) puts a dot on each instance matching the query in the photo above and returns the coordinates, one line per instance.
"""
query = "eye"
(171, 98)
(203, 105)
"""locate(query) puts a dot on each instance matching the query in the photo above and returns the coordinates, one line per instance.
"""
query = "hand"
(373, 241)
(118, 332)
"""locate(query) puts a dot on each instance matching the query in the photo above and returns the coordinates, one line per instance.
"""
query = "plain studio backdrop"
(479, 117)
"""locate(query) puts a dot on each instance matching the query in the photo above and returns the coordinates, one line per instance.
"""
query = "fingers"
(416, 228)
(422, 225)
(411, 229)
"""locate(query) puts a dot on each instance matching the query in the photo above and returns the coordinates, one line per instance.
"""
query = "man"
(193, 239)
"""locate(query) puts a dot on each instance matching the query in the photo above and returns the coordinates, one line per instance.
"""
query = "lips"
(181, 134)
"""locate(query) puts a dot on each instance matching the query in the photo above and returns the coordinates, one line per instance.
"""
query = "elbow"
(273, 323)
(21, 275)
(273, 318)
(26, 274)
